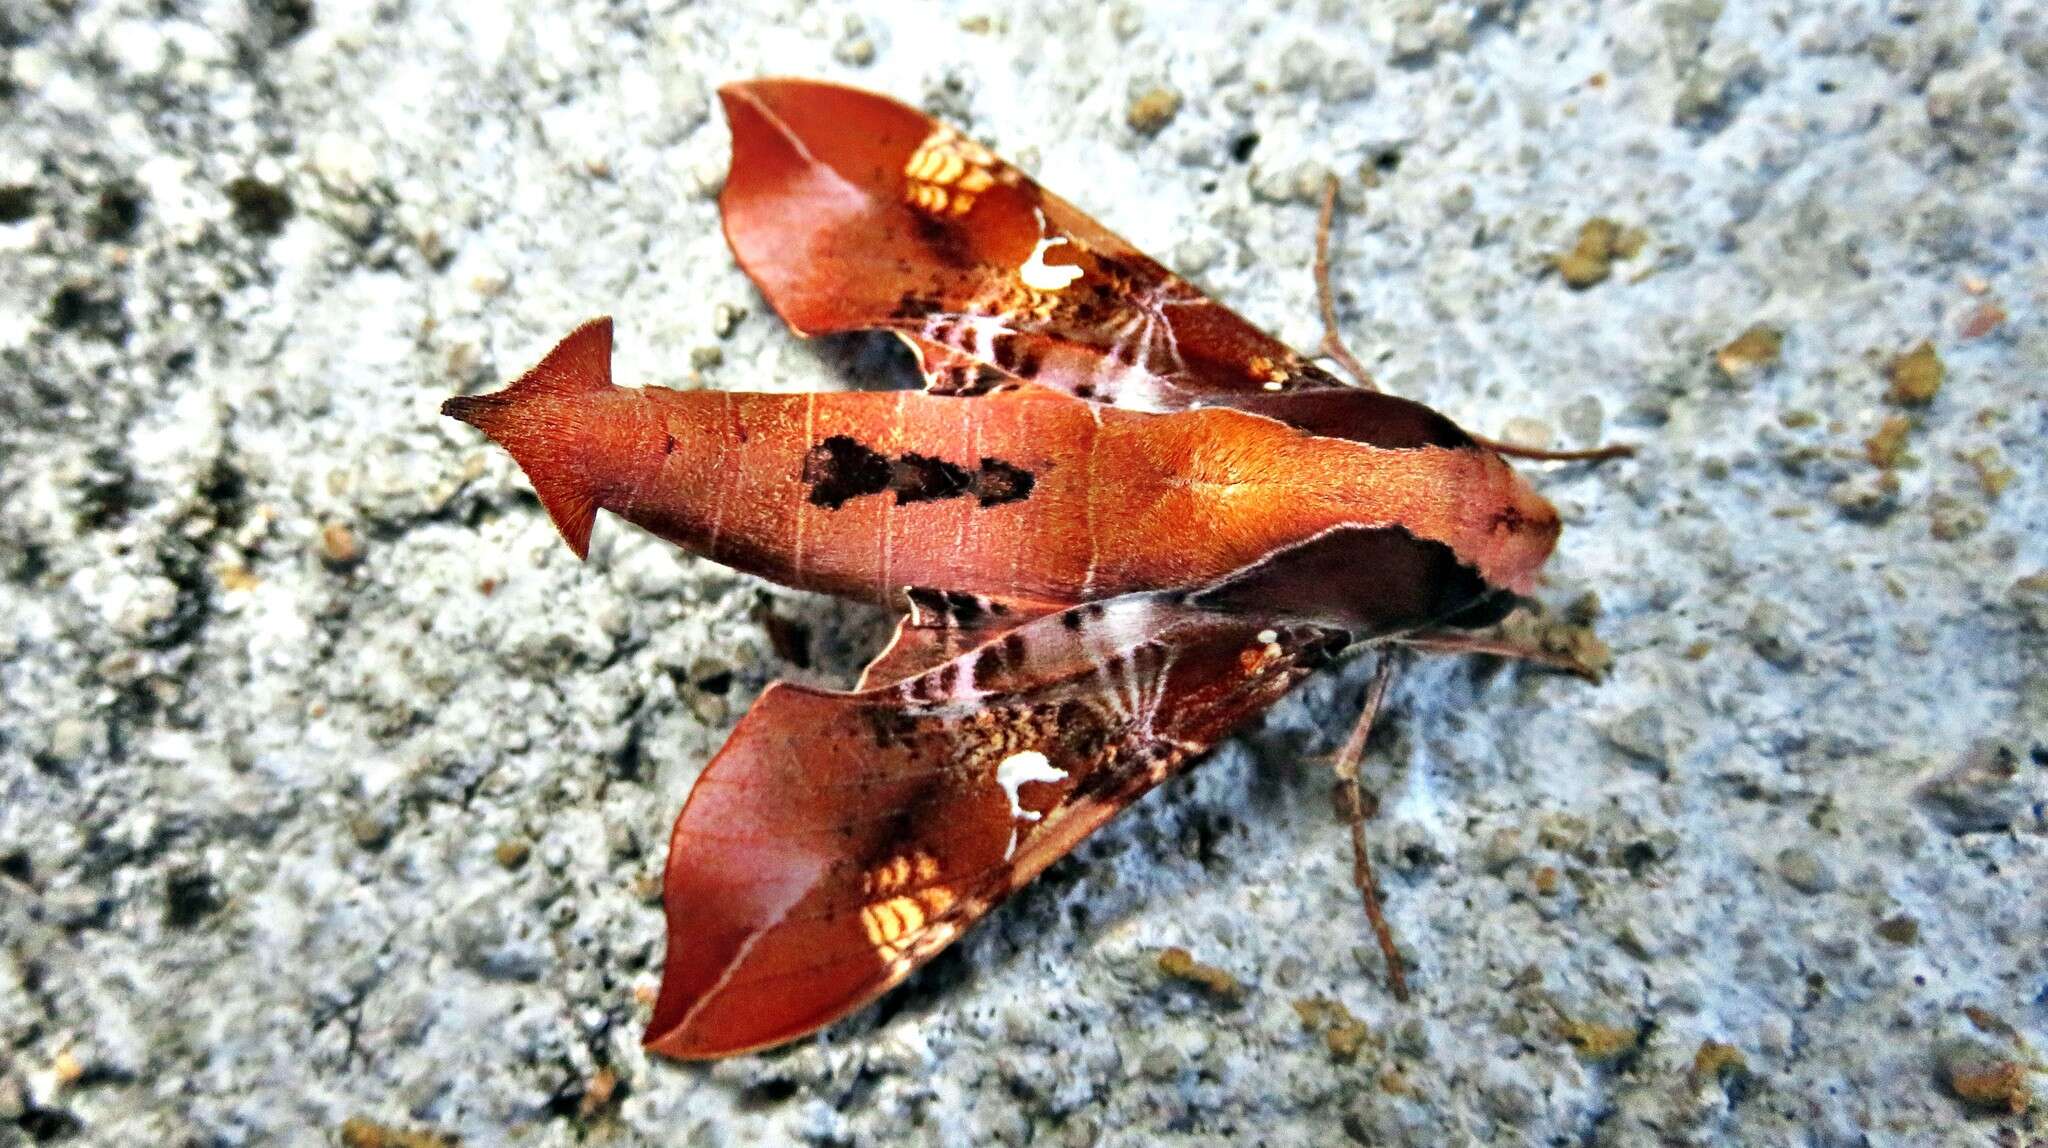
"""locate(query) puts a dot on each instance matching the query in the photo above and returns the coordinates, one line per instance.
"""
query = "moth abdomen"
(529, 418)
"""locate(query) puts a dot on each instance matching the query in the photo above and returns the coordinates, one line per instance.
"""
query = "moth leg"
(1352, 806)
(1333, 343)
(1595, 454)
(1449, 642)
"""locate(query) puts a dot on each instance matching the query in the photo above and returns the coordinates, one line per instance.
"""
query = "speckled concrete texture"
(334, 792)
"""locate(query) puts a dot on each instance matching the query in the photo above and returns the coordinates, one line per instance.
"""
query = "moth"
(1119, 520)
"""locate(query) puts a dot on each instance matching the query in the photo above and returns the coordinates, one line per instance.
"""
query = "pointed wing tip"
(753, 97)
(735, 92)
(668, 1036)
(676, 1032)
(672, 1031)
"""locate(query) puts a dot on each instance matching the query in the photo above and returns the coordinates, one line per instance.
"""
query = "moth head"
(1516, 530)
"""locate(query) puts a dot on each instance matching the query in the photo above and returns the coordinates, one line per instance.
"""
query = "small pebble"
(339, 546)
(1768, 630)
(1181, 965)
(1805, 871)
(1984, 1076)
(1867, 498)
(1888, 446)
(512, 852)
(855, 51)
(1640, 733)
(1592, 257)
(1750, 353)
(1152, 110)
(1915, 376)
(1980, 321)
(1952, 519)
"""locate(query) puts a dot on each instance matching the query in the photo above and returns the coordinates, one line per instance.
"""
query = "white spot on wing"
(1022, 767)
(1039, 275)
(1015, 771)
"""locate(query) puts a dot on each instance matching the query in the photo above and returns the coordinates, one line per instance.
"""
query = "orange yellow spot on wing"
(946, 172)
(895, 926)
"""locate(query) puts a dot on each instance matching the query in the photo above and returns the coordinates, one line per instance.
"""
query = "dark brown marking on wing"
(948, 243)
(921, 478)
(1019, 356)
(915, 306)
(927, 605)
(842, 468)
(1001, 482)
(1371, 580)
(1374, 418)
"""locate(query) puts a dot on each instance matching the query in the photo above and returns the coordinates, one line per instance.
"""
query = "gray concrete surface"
(334, 792)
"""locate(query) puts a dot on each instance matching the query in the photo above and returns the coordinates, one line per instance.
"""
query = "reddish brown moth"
(1121, 521)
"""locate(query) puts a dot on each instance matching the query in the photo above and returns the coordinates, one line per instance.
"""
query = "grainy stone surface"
(333, 792)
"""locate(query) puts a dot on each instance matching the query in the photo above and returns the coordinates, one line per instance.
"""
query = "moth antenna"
(1326, 298)
(528, 422)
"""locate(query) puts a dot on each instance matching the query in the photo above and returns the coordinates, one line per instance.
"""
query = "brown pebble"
(339, 546)
(1343, 1034)
(1991, 1023)
(362, 1132)
(1888, 445)
(1915, 376)
(1951, 519)
(1899, 930)
(1345, 1040)
(1591, 258)
(1980, 321)
(1718, 1062)
(1181, 965)
(598, 1093)
(372, 831)
(1984, 1077)
(1992, 473)
(1148, 114)
(1754, 350)
(512, 852)
(1599, 1043)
